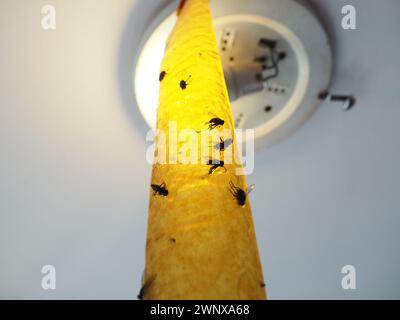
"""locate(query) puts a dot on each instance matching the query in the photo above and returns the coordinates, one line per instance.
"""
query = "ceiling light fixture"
(276, 57)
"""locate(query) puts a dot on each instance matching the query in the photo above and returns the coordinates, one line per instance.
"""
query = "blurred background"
(74, 178)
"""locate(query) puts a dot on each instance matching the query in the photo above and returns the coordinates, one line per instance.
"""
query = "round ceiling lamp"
(276, 57)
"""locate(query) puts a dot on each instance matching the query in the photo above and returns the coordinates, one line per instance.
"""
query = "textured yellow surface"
(200, 242)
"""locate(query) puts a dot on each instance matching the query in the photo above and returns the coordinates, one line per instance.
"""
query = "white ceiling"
(74, 179)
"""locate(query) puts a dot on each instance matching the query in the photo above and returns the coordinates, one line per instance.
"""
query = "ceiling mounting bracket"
(348, 100)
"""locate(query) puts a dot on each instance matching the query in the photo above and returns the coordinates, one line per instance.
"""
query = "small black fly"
(160, 189)
(239, 194)
(214, 123)
(183, 84)
(145, 288)
(215, 164)
(162, 75)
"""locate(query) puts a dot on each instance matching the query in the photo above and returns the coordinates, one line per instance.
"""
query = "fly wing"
(250, 188)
